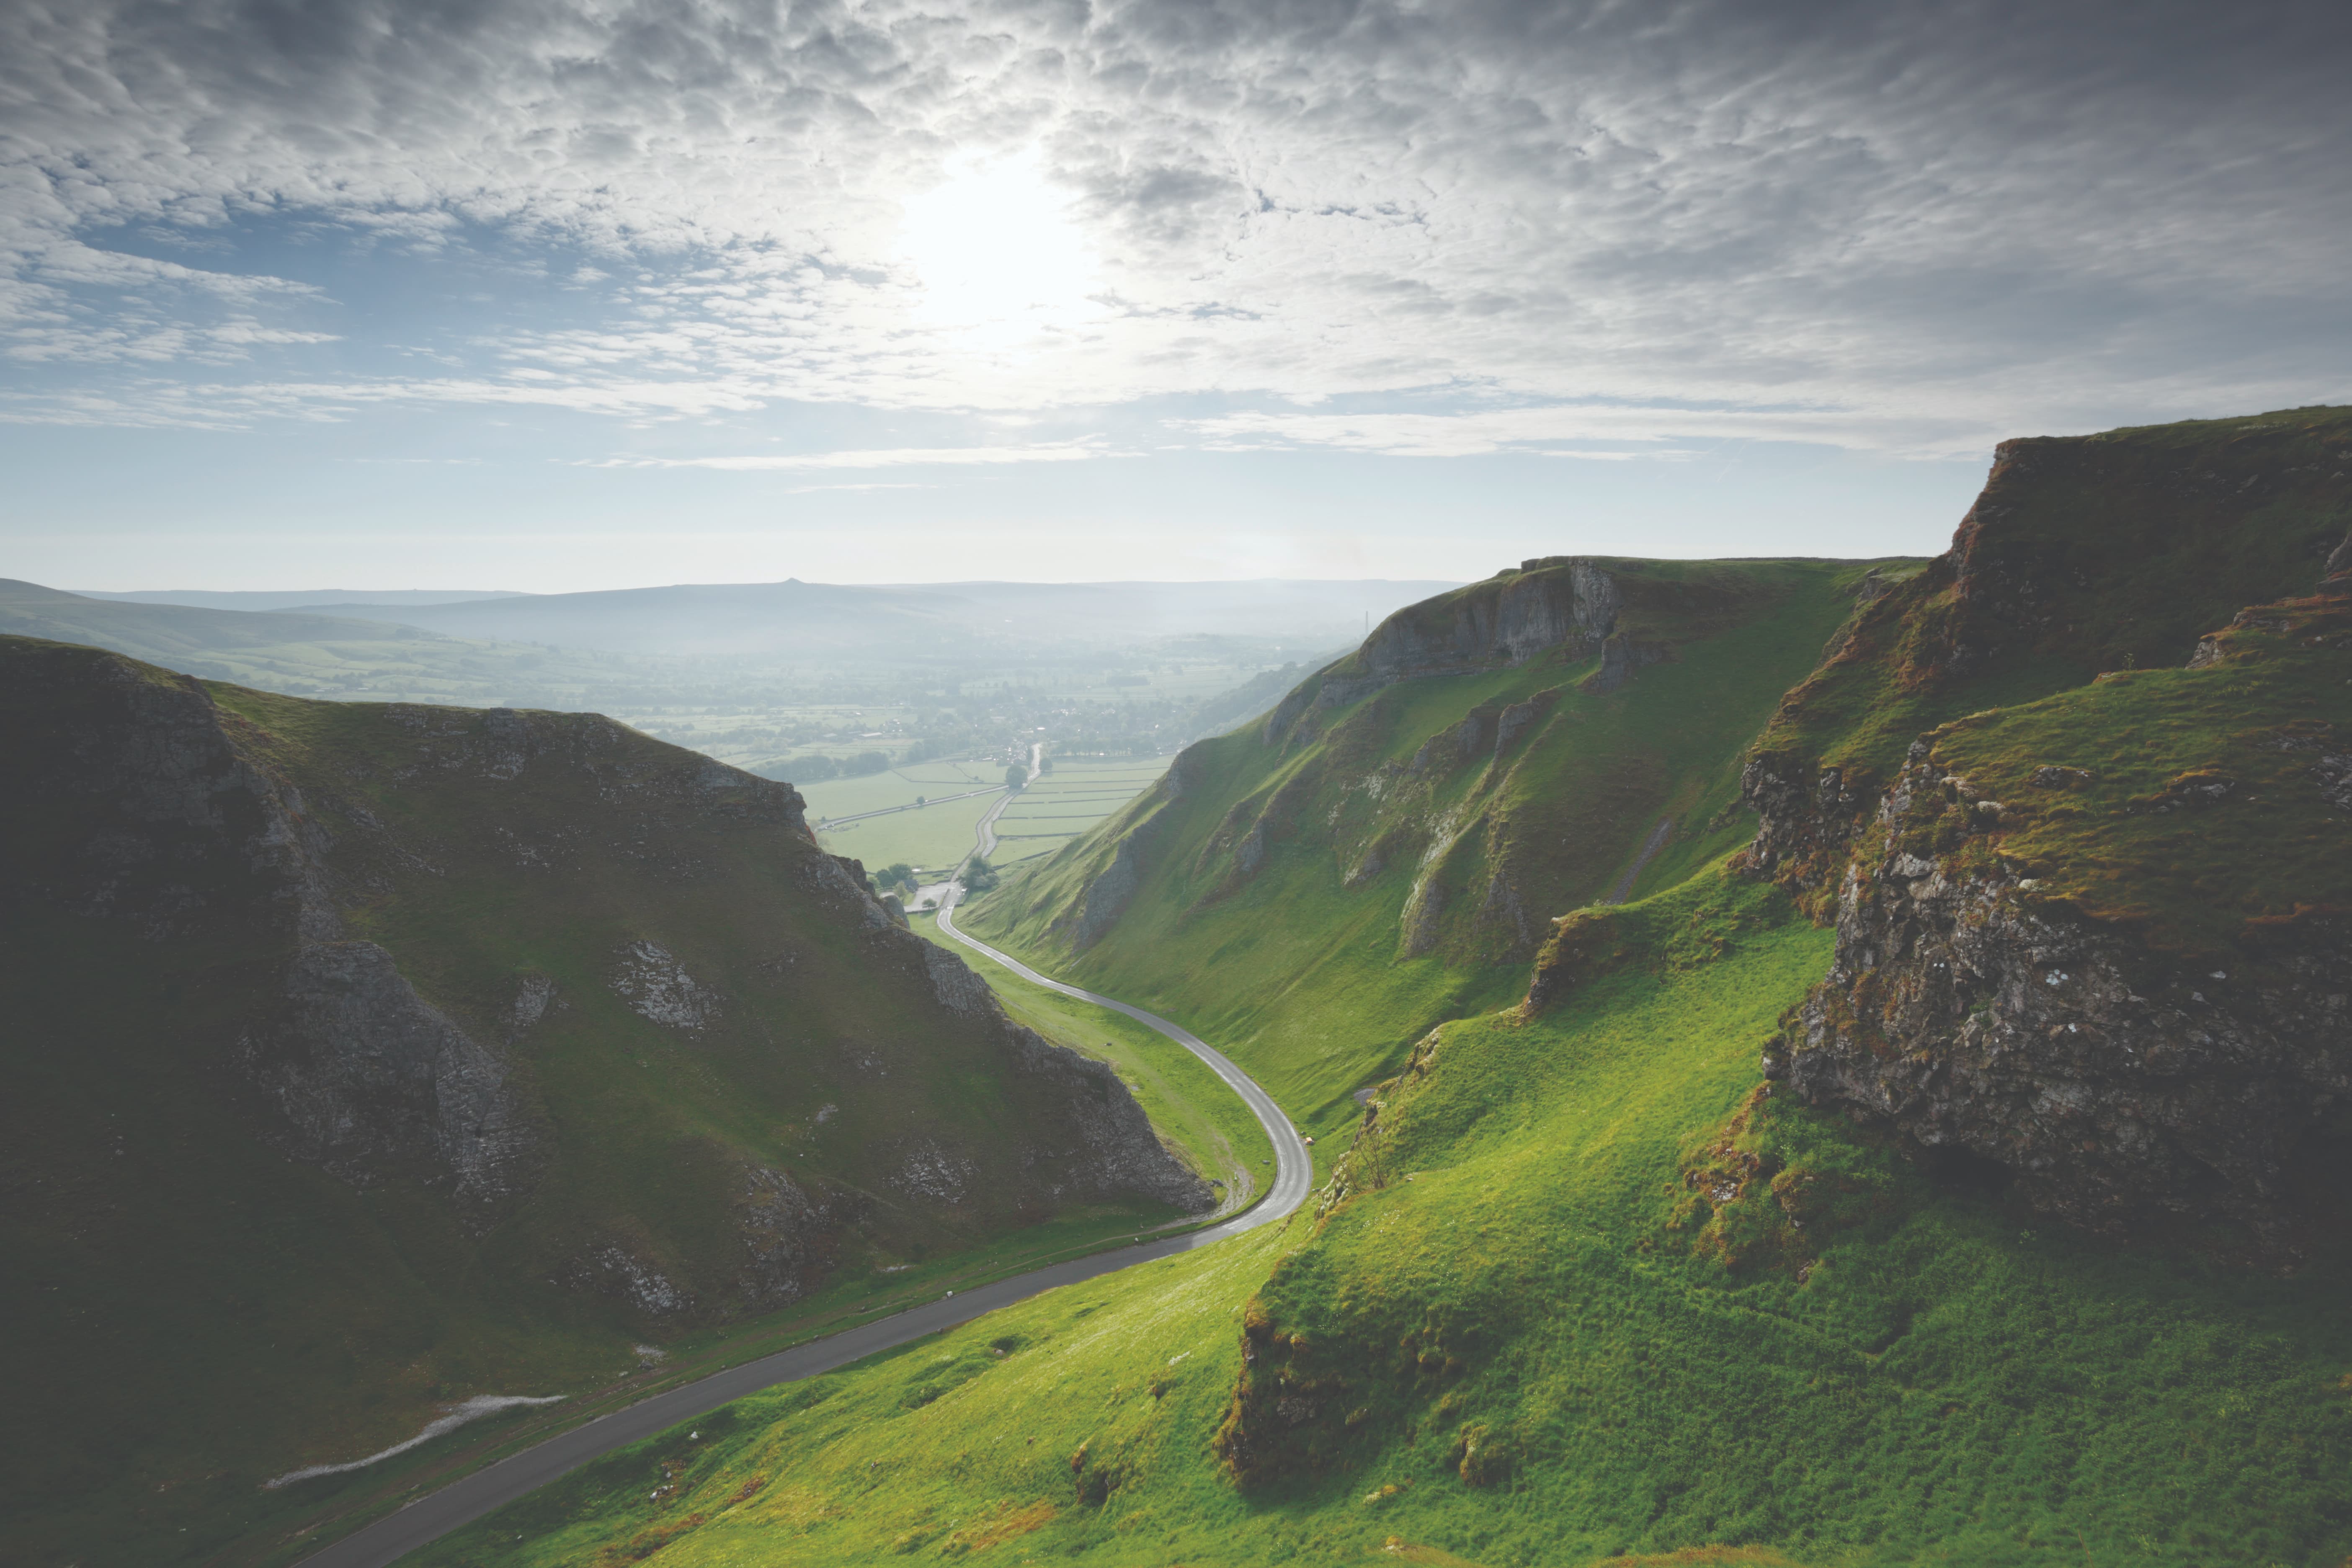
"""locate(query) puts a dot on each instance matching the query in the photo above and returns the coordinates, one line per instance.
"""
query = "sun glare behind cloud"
(996, 251)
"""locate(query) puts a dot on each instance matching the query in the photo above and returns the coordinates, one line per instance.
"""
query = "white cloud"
(888, 458)
(1947, 222)
(1547, 430)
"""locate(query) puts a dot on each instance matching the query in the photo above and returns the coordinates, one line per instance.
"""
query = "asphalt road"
(462, 1501)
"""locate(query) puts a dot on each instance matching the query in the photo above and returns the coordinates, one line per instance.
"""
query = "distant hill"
(335, 655)
(364, 1058)
(817, 621)
(293, 598)
(167, 631)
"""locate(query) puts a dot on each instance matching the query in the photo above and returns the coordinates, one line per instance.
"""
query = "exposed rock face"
(1556, 603)
(927, 1171)
(615, 1270)
(2110, 1080)
(1621, 657)
(1548, 603)
(368, 1075)
(2113, 1086)
(1115, 1149)
(954, 984)
(656, 986)
(1107, 895)
(2082, 554)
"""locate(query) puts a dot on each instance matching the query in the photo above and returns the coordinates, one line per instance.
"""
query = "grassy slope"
(2208, 879)
(2102, 552)
(1807, 1348)
(314, 1322)
(1524, 1339)
(1567, 1298)
(1581, 1290)
(1297, 977)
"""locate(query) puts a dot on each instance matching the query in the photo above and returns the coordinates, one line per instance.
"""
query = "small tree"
(1015, 776)
(898, 874)
(978, 876)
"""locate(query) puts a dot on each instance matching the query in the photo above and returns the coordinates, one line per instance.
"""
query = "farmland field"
(844, 797)
(1078, 793)
(934, 837)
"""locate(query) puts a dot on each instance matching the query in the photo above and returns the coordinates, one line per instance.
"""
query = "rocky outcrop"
(1115, 1150)
(1558, 603)
(366, 1077)
(787, 1240)
(1108, 894)
(2113, 552)
(656, 985)
(2104, 1081)
(189, 825)
(959, 990)
(1620, 657)
(1547, 604)
(370, 1077)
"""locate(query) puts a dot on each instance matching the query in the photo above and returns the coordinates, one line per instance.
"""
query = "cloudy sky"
(553, 294)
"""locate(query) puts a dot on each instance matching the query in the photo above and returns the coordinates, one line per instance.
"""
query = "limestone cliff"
(2090, 934)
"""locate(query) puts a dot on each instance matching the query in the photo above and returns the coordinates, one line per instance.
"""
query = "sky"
(554, 295)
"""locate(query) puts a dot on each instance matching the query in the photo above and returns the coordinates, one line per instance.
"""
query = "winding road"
(462, 1501)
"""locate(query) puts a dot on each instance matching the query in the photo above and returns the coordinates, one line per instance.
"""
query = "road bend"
(462, 1501)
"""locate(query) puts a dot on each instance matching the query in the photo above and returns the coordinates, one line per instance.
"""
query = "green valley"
(1806, 1074)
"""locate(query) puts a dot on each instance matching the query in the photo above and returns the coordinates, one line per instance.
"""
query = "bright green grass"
(934, 1449)
(2212, 880)
(1945, 1383)
(1299, 977)
(1187, 1103)
(1942, 1384)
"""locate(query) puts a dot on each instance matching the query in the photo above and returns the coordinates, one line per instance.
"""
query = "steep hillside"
(1578, 1294)
(2083, 554)
(1388, 846)
(366, 1059)
(2022, 953)
(2096, 943)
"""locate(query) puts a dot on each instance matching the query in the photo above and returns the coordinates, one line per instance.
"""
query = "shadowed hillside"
(364, 1059)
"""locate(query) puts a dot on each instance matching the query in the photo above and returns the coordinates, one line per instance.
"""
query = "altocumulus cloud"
(1481, 226)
